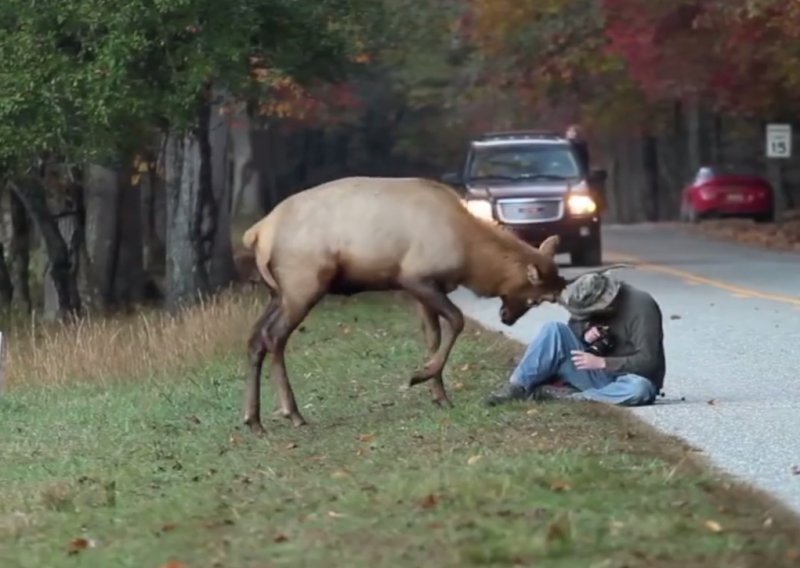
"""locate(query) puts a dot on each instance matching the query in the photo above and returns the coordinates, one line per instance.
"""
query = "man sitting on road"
(627, 371)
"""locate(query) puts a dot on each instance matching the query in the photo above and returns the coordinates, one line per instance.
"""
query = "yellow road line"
(691, 278)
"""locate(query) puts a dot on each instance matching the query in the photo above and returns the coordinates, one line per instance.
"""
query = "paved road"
(732, 336)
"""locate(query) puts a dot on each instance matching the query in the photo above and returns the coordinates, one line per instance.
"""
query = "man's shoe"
(507, 393)
(551, 392)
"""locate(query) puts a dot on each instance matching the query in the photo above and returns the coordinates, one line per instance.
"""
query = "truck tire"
(590, 255)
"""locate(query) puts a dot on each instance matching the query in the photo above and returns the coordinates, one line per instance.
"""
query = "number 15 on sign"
(779, 141)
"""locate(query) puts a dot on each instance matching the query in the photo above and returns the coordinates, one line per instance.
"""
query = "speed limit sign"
(779, 141)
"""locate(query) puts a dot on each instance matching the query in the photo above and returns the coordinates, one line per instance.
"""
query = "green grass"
(152, 471)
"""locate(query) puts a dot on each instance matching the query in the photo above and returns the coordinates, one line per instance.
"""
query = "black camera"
(604, 344)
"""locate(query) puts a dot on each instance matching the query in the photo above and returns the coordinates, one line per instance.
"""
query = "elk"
(361, 234)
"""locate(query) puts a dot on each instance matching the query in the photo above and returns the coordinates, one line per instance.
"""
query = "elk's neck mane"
(497, 259)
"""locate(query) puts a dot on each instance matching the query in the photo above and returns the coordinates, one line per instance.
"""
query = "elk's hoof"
(255, 426)
(422, 376)
(442, 402)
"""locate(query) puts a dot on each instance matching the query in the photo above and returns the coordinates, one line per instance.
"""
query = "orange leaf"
(366, 437)
(429, 501)
(78, 544)
(559, 486)
(174, 564)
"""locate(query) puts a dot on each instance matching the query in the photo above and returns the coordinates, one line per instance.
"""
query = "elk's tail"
(258, 239)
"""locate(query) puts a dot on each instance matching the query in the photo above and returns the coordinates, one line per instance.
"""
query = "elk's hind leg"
(433, 335)
(259, 344)
(288, 316)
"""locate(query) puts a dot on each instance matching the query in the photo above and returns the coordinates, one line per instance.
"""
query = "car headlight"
(581, 204)
(480, 208)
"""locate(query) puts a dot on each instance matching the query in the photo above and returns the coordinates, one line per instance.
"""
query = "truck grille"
(529, 210)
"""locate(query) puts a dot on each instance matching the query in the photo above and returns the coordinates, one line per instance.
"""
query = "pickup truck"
(534, 184)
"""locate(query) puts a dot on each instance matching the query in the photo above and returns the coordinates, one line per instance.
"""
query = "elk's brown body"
(370, 234)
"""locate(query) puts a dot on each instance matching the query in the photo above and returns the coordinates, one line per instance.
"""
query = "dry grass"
(784, 236)
(146, 344)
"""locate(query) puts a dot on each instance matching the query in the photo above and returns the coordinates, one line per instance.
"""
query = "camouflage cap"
(590, 293)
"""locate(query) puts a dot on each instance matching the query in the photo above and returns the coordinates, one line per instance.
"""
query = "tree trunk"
(6, 287)
(191, 213)
(102, 230)
(221, 272)
(128, 278)
(19, 253)
(60, 271)
(650, 163)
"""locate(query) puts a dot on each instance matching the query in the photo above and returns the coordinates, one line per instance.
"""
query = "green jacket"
(637, 328)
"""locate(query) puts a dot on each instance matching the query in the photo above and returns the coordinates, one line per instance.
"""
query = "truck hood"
(503, 190)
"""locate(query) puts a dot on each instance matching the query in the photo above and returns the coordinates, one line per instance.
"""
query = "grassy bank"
(144, 463)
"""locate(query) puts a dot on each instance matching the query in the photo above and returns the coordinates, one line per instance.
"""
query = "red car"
(727, 191)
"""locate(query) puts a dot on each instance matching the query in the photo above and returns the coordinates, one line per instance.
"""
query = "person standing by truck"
(575, 136)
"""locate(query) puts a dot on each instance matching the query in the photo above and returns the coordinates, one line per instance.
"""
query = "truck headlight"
(480, 208)
(581, 204)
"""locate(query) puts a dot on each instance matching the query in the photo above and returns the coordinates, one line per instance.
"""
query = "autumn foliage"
(734, 55)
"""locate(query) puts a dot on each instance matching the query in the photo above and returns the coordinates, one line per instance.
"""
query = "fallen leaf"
(194, 419)
(457, 386)
(360, 452)
(340, 474)
(168, 527)
(429, 501)
(174, 564)
(768, 522)
(291, 446)
(559, 530)
(465, 367)
(280, 537)
(532, 411)
(712, 402)
(559, 486)
(366, 437)
(335, 515)
(79, 544)
(473, 460)
(713, 526)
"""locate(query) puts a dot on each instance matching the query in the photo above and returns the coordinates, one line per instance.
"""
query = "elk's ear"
(549, 246)
(533, 275)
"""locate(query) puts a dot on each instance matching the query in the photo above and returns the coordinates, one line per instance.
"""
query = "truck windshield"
(523, 162)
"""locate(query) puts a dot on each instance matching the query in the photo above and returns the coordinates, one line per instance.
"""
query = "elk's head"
(540, 283)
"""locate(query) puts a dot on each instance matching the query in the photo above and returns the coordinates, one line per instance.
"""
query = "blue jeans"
(549, 356)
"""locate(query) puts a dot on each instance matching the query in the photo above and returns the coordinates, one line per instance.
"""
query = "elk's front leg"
(437, 301)
(433, 332)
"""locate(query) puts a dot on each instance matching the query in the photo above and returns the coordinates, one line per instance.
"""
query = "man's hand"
(592, 334)
(587, 362)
